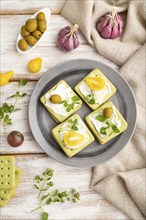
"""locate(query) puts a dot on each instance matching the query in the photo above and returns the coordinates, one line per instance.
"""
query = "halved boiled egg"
(95, 83)
(73, 138)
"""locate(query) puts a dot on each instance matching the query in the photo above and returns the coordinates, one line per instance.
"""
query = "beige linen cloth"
(121, 180)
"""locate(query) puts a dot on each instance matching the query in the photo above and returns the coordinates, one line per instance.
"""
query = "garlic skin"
(110, 25)
(67, 38)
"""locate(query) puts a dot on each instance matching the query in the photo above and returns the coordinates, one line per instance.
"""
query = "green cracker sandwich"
(7, 172)
(72, 135)
(10, 178)
(106, 122)
(7, 194)
(61, 101)
(4, 202)
(95, 89)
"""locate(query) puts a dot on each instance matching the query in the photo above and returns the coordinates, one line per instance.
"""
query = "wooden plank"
(30, 7)
(47, 49)
(20, 121)
(91, 206)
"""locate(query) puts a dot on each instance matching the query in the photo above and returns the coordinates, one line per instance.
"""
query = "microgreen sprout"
(47, 197)
(6, 109)
(109, 128)
(91, 99)
(74, 124)
(69, 106)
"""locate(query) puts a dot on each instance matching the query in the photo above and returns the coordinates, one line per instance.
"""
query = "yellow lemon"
(73, 138)
(5, 77)
(35, 65)
(95, 83)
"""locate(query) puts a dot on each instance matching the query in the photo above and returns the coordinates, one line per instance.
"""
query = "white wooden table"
(30, 157)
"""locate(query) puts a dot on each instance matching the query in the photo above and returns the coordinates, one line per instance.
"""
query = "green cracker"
(7, 172)
(3, 202)
(71, 152)
(6, 195)
(95, 73)
(122, 128)
(57, 117)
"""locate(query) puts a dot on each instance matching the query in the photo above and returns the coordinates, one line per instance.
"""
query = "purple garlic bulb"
(67, 38)
(110, 25)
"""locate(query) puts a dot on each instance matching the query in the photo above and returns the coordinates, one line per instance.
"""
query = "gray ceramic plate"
(41, 122)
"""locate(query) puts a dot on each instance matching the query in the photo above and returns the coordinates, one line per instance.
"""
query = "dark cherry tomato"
(15, 138)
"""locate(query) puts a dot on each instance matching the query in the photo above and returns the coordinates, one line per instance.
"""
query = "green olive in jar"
(41, 16)
(42, 26)
(107, 112)
(30, 40)
(22, 44)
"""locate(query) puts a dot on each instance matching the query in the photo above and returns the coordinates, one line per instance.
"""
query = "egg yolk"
(73, 138)
(95, 83)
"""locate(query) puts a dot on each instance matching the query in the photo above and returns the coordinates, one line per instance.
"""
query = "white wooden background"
(30, 157)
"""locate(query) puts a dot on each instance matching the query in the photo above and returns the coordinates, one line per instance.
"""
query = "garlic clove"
(106, 31)
(64, 31)
(76, 41)
(102, 24)
(69, 44)
(115, 32)
(61, 40)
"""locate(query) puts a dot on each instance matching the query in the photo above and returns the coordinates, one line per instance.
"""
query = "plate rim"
(69, 161)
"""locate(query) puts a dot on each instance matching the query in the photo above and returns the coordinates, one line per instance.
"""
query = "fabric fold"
(121, 180)
(123, 191)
